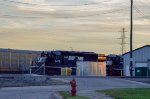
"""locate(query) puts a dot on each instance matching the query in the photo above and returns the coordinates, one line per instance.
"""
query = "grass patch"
(128, 93)
(67, 95)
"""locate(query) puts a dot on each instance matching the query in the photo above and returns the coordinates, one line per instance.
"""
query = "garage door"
(141, 69)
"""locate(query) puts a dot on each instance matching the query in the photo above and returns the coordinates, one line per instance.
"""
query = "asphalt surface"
(144, 80)
(84, 85)
(100, 83)
(32, 92)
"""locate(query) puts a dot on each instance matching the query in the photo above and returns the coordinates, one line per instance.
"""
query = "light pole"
(131, 39)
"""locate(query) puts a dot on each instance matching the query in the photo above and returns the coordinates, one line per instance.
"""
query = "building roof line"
(137, 49)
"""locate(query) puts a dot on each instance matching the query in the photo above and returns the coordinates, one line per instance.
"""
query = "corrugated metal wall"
(16, 60)
(141, 55)
(86, 68)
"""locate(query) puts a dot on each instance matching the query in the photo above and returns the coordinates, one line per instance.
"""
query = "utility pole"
(10, 56)
(123, 42)
(131, 39)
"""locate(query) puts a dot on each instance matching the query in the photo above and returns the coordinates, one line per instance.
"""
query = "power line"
(95, 3)
(81, 9)
(141, 13)
(87, 8)
(84, 16)
(14, 16)
(109, 12)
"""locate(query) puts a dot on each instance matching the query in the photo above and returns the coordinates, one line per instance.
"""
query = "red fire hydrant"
(73, 86)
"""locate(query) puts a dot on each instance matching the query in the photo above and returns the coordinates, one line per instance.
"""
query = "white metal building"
(87, 68)
(141, 60)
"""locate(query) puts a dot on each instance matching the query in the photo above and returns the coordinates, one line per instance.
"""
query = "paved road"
(35, 92)
(83, 85)
(105, 83)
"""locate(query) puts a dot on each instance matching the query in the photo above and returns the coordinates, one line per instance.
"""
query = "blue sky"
(84, 25)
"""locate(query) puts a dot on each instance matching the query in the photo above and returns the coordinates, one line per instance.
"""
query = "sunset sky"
(84, 25)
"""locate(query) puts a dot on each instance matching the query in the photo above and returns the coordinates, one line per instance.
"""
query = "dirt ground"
(21, 81)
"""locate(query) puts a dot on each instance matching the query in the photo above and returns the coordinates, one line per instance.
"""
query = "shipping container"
(16, 61)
